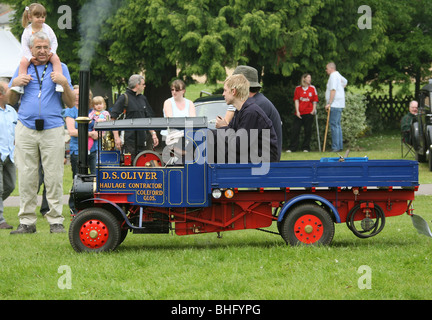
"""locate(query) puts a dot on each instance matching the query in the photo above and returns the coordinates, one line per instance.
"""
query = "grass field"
(242, 265)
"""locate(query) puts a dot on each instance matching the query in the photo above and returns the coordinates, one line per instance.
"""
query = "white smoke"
(92, 15)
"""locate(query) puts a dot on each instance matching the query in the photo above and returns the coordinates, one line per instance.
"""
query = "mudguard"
(306, 198)
(117, 208)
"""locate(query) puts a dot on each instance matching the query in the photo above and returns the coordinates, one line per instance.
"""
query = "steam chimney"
(83, 121)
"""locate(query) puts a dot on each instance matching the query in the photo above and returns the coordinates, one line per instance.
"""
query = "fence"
(387, 111)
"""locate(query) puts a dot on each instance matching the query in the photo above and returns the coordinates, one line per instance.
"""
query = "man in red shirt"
(305, 99)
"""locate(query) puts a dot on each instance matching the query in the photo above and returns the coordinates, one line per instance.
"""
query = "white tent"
(10, 54)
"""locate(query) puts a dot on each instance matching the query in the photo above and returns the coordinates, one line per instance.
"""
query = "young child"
(98, 114)
(33, 20)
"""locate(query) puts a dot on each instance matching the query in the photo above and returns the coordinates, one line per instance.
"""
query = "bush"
(354, 119)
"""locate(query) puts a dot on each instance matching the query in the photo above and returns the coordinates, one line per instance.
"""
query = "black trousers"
(306, 122)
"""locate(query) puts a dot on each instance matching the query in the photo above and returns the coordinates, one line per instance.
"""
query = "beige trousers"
(49, 146)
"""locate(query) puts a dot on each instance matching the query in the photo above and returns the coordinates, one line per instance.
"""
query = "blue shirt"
(73, 143)
(49, 106)
(8, 121)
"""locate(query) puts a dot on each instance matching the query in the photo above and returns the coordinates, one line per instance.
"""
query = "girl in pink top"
(98, 114)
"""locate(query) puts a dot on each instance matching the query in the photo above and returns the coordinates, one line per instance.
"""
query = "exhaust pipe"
(83, 121)
(84, 185)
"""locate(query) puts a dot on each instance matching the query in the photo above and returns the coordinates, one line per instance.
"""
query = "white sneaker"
(19, 90)
(59, 88)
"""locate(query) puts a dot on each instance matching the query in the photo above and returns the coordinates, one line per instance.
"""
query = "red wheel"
(94, 234)
(308, 229)
(307, 224)
(94, 230)
(147, 158)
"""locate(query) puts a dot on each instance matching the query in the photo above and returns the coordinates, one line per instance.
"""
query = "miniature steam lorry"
(305, 199)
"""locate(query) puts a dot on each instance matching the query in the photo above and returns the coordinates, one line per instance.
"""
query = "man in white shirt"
(335, 97)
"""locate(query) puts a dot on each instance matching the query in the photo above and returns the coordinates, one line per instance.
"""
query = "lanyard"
(40, 80)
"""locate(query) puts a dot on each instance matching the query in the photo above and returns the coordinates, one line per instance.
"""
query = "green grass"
(243, 265)
(194, 91)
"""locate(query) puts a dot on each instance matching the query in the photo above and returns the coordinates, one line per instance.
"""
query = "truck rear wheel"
(94, 230)
(308, 224)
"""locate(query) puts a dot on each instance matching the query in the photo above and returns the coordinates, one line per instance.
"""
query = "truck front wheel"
(94, 230)
(307, 224)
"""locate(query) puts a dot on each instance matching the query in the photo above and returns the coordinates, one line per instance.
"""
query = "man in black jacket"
(135, 105)
(256, 96)
(250, 130)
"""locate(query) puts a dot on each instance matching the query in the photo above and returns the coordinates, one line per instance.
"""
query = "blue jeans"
(336, 128)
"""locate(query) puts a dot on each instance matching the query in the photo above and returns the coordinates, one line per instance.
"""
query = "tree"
(282, 38)
(169, 39)
(409, 51)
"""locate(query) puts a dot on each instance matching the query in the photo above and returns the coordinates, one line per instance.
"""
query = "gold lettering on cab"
(146, 186)
(129, 175)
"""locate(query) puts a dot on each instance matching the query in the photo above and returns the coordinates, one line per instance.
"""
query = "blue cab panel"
(110, 158)
(172, 186)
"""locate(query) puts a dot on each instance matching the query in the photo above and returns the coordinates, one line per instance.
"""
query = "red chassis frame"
(252, 209)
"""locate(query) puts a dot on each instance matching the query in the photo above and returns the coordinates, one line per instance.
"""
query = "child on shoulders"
(33, 20)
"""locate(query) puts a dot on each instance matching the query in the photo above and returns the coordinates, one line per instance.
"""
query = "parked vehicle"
(422, 128)
(210, 107)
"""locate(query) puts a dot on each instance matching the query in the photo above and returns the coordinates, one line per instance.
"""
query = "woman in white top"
(178, 105)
